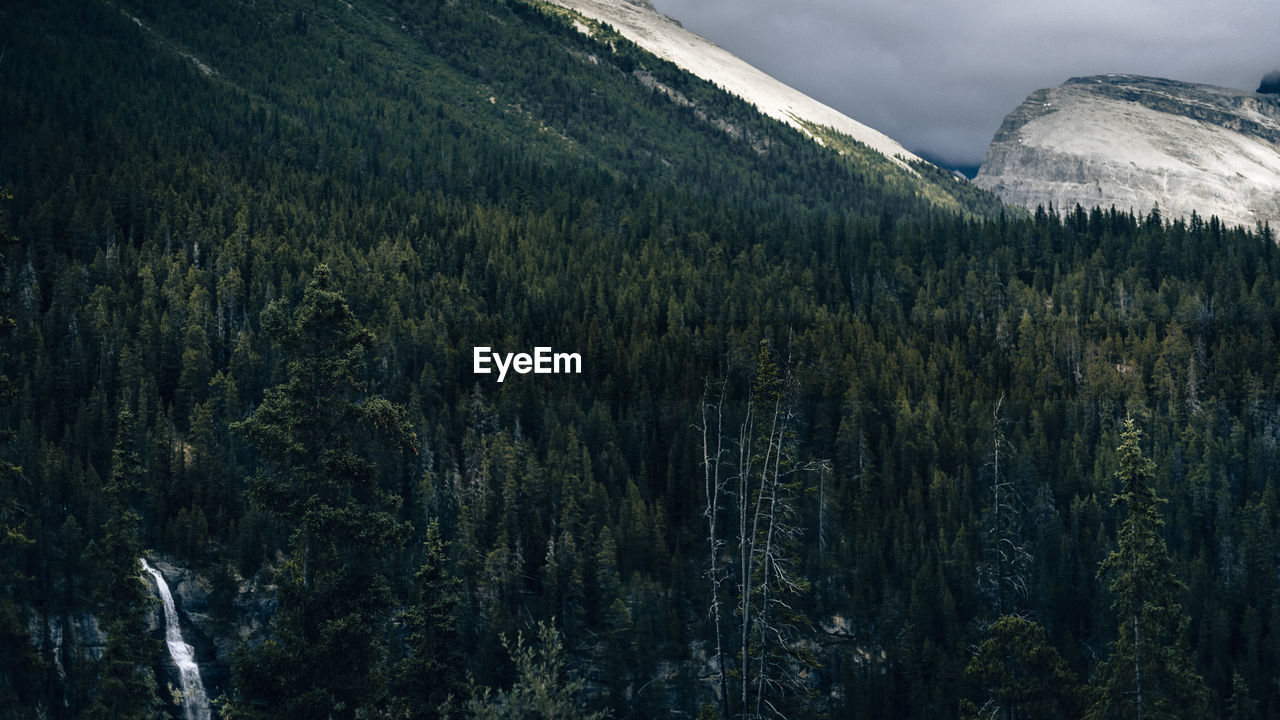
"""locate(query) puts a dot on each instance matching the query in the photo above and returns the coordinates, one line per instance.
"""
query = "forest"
(849, 440)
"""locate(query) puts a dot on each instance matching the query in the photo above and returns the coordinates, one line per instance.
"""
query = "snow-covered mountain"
(640, 22)
(1134, 141)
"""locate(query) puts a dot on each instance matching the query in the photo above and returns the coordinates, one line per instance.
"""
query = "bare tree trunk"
(1002, 576)
(767, 529)
(775, 447)
(1137, 662)
(711, 466)
(744, 549)
(997, 484)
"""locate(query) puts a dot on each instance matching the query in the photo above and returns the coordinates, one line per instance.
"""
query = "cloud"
(940, 75)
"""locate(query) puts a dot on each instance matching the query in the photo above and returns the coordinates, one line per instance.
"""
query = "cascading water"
(195, 704)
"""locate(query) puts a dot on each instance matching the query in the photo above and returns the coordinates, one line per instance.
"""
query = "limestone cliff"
(1135, 142)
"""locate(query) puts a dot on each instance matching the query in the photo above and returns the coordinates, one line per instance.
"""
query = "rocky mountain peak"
(1136, 142)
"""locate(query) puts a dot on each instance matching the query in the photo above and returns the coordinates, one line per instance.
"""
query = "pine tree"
(1149, 674)
(1240, 706)
(318, 434)
(770, 625)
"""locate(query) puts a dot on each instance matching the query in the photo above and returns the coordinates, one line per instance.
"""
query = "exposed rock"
(212, 633)
(69, 642)
(1135, 142)
(215, 615)
(640, 22)
(66, 638)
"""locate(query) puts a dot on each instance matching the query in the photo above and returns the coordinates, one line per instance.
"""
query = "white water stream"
(195, 704)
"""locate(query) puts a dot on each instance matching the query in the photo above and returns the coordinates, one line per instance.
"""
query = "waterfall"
(195, 704)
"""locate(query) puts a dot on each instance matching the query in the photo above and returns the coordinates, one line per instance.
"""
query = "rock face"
(215, 616)
(1135, 142)
(212, 634)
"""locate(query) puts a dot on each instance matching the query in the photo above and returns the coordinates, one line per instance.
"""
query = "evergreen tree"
(429, 673)
(317, 433)
(1149, 674)
(126, 686)
(1240, 706)
(771, 624)
(542, 690)
(1002, 577)
(20, 666)
(1020, 676)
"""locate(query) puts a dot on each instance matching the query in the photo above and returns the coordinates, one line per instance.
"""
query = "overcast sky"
(939, 75)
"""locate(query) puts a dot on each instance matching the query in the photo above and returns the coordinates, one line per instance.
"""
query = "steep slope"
(482, 174)
(641, 23)
(1135, 142)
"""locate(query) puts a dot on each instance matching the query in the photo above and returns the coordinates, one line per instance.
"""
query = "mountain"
(1137, 142)
(640, 22)
(830, 417)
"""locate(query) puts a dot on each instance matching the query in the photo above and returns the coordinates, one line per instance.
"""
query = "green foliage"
(20, 666)
(542, 689)
(1240, 706)
(708, 712)
(317, 432)
(427, 674)
(481, 173)
(125, 688)
(1149, 673)
(1018, 675)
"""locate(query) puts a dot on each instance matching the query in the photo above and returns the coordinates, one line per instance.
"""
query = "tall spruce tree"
(126, 686)
(319, 435)
(1149, 674)
(20, 665)
(429, 673)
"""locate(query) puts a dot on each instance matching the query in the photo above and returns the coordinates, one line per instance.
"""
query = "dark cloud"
(1270, 83)
(940, 75)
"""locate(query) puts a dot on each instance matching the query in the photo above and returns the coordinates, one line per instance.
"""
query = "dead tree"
(714, 487)
(763, 490)
(1002, 577)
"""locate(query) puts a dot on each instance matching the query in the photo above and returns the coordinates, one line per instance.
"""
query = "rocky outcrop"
(215, 614)
(1138, 142)
(212, 631)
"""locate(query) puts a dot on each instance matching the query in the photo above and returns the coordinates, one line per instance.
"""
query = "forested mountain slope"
(890, 379)
(639, 21)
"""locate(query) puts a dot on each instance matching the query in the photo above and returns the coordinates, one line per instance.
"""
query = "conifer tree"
(126, 687)
(19, 663)
(1149, 674)
(541, 690)
(429, 673)
(770, 624)
(1020, 676)
(318, 434)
